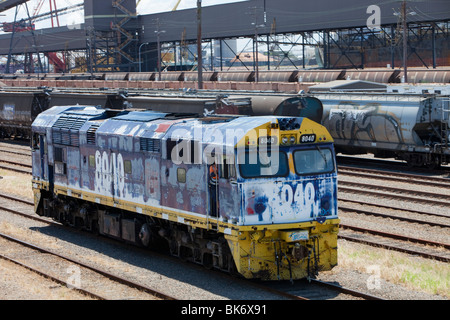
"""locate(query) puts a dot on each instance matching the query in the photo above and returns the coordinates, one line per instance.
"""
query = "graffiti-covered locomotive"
(410, 127)
(252, 195)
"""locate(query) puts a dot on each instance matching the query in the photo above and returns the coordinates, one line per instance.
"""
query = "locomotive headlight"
(260, 207)
(292, 139)
(284, 139)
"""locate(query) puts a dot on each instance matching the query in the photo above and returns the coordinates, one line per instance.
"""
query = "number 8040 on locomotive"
(255, 196)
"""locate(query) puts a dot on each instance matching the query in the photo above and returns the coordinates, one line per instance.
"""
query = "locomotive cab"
(286, 187)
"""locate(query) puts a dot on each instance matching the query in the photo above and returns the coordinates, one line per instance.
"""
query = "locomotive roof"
(141, 116)
(160, 125)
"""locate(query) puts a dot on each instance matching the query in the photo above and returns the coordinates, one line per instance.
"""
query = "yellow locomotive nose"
(274, 253)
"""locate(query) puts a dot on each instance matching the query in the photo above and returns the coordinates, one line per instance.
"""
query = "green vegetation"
(415, 273)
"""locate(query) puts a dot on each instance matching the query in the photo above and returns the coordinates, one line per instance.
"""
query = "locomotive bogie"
(252, 195)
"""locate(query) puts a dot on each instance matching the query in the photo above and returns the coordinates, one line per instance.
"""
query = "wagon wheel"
(434, 164)
(415, 160)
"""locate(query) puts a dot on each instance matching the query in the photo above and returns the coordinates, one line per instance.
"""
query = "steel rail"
(15, 170)
(48, 276)
(344, 186)
(395, 176)
(395, 236)
(21, 164)
(281, 293)
(346, 290)
(397, 190)
(26, 153)
(276, 291)
(360, 202)
(106, 274)
(394, 248)
(384, 215)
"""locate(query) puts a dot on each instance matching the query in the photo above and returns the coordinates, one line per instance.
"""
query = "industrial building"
(275, 34)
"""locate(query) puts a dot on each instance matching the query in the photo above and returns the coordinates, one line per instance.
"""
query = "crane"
(58, 63)
(53, 12)
(176, 6)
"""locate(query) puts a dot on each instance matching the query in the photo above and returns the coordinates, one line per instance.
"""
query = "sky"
(145, 7)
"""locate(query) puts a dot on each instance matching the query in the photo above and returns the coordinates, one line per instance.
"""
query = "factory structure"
(249, 35)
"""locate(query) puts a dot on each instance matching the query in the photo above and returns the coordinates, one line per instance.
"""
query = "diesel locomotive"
(255, 196)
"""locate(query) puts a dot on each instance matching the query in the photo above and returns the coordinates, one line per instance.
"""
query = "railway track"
(375, 237)
(45, 274)
(386, 240)
(124, 283)
(99, 272)
(392, 207)
(290, 292)
(344, 208)
(410, 178)
(357, 185)
(152, 293)
(315, 289)
(391, 192)
(432, 198)
(351, 237)
(387, 165)
(344, 226)
(16, 167)
(15, 157)
(15, 151)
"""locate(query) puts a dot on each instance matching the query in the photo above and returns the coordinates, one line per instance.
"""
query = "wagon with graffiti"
(255, 196)
(410, 127)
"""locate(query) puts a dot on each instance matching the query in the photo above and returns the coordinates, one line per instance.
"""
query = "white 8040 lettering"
(304, 198)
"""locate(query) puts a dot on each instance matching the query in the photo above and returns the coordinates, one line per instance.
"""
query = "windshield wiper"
(323, 155)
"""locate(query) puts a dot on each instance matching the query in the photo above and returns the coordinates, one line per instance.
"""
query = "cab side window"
(227, 169)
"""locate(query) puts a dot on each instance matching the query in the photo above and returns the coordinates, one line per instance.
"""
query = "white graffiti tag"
(304, 199)
(109, 174)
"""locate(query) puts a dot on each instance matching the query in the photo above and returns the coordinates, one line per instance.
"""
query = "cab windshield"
(261, 164)
(313, 161)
